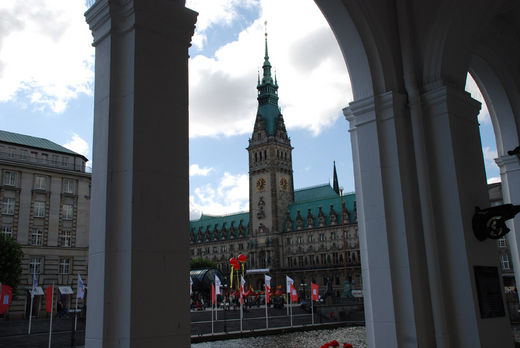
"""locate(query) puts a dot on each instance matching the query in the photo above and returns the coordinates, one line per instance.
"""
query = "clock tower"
(271, 188)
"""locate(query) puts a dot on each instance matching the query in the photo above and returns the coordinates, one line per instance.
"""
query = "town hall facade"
(291, 232)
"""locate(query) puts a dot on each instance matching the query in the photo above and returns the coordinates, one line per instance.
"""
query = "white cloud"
(472, 88)
(46, 57)
(494, 180)
(314, 84)
(213, 12)
(231, 195)
(489, 154)
(196, 170)
(77, 144)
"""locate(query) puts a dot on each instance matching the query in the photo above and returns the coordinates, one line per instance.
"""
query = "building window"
(333, 235)
(323, 258)
(64, 161)
(300, 240)
(9, 178)
(68, 210)
(322, 237)
(35, 265)
(40, 183)
(7, 230)
(64, 266)
(502, 242)
(310, 239)
(54, 159)
(215, 250)
(68, 186)
(505, 262)
(8, 206)
(24, 154)
(65, 239)
(37, 237)
(289, 261)
(335, 257)
(39, 209)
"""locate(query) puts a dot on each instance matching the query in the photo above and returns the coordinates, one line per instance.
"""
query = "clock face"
(260, 184)
(284, 184)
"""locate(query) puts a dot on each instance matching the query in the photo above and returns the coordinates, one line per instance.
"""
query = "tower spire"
(335, 183)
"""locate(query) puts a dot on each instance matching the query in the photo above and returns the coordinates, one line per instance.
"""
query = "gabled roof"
(30, 141)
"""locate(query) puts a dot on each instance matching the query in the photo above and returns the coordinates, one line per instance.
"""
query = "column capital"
(382, 107)
(508, 164)
(450, 100)
(164, 17)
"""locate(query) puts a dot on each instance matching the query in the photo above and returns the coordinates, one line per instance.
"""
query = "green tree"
(11, 255)
(200, 263)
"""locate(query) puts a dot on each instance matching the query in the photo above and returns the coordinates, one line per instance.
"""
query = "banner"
(191, 286)
(6, 295)
(213, 294)
(81, 288)
(294, 294)
(314, 289)
(48, 298)
(288, 283)
(267, 288)
(218, 284)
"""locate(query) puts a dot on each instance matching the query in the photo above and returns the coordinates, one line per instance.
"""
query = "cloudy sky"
(46, 89)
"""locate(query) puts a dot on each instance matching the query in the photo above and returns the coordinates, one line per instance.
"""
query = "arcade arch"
(417, 163)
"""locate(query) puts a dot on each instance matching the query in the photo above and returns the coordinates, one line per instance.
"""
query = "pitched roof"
(30, 141)
(314, 192)
(210, 221)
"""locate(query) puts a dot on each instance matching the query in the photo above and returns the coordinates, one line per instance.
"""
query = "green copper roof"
(41, 143)
(209, 222)
(314, 193)
(319, 196)
(268, 96)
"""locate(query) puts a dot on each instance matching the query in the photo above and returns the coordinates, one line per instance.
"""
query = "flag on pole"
(48, 298)
(288, 283)
(242, 283)
(191, 286)
(267, 288)
(218, 284)
(314, 292)
(294, 294)
(35, 284)
(81, 288)
(6, 295)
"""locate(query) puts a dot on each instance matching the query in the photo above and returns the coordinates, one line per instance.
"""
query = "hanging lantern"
(233, 260)
(242, 258)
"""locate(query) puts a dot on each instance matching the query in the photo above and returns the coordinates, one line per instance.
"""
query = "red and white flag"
(294, 294)
(314, 291)
(288, 283)
(6, 295)
(267, 288)
(212, 293)
(48, 298)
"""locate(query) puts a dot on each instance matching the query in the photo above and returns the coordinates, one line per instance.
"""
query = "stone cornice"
(508, 164)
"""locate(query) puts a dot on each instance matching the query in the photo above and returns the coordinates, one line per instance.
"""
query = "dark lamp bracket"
(491, 222)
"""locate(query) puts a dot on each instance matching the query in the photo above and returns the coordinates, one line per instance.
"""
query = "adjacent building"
(45, 195)
(307, 234)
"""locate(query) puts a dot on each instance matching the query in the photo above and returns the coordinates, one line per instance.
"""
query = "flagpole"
(76, 311)
(32, 301)
(241, 314)
(52, 308)
(212, 306)
(312, 308)
(266, 319)
(290, 295)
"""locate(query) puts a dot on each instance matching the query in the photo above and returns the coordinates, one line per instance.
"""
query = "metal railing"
(13, 157)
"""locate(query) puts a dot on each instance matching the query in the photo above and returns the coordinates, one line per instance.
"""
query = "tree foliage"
(200, 263)
(11, 255)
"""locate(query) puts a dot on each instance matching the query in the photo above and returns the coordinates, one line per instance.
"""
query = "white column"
(458, 185)
(397, 308)
(510, 174)
(138, 253)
